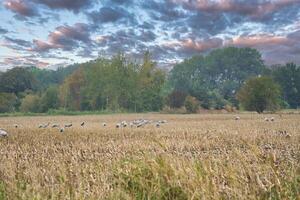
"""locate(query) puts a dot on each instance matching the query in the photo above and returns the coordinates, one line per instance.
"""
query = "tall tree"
(288, 77)
(219, 74)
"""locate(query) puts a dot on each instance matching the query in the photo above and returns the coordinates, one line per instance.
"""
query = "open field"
(209, 156)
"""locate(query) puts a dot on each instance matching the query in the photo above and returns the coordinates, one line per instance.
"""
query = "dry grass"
(208, 156)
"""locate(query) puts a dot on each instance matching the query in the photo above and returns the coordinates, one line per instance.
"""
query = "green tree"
(259, 94)
(7, 102)
(215, 78)
(17, 80)
(288, 77)
(50, 99)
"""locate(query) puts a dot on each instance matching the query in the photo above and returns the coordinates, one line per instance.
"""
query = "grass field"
(208, 156)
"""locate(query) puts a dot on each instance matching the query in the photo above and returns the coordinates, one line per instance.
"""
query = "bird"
(124, 123)
(46, 125)
(16, 125)
(82, 124)
(237, 118)
(55, 126)
(272, 119)
(68, 125)
(157, 124)
(131, 124)
(266, 119)
(3, 133)
(118, 125)
(140, 125)
(61, 130)
(104, 124)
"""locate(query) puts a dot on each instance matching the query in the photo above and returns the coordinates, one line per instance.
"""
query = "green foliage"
(46, 77)
(259, 94)
(114, 84)
(7, 102)
(17, 80)
(215, 78)
(191, 104)
(288, 77)
(50, 99)
(31, 103)
(176, 99)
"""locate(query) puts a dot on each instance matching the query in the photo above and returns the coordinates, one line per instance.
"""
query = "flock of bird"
(135, 123)
(272, 119)
(123, 124)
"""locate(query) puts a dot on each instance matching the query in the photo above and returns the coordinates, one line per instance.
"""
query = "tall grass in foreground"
(190, 157)
(162, 178)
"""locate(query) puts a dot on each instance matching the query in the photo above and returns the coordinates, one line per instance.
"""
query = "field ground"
(208, 156)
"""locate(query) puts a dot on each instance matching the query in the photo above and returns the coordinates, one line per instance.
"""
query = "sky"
(52, 33)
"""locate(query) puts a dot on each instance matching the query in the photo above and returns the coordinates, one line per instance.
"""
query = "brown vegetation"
(209, 156)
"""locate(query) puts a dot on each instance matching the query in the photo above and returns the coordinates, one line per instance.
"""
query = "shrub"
(31, 103)
(259, 94)
(191, 104)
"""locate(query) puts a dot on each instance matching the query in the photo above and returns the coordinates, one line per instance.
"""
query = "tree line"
(231, 78)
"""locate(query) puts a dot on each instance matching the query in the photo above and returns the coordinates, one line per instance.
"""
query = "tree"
(176, 99)
(222, 71)
(17, 80)
(7, 102)
(191, 104)
(259, 94)
(50, 99)
(288, 77)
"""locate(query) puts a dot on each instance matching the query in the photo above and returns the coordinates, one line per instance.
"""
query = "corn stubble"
(191, 157)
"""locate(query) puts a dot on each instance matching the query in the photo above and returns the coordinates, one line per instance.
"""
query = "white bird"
(157, 124)
(3, 133)
(118, 125)
(104, 124)
(237, 118)
(61, 130)
(266, 119)
(131, 124)
(124, 123)
(272, 119)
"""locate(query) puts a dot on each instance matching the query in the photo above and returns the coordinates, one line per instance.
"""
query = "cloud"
(72, 5)
(3, 30)
(255, 9)
(164, 11)
(110, 15)
(274, 49)
(65, 37)
(21, 8)
(189, 46)
(18, 42)
(24, 61)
